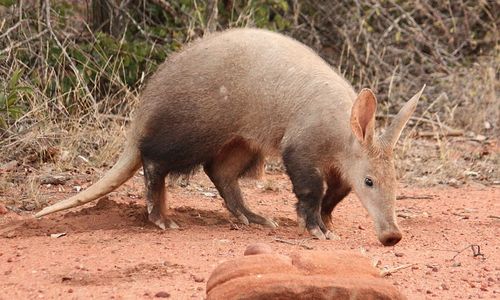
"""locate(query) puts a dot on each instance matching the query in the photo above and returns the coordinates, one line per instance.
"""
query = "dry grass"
(455, 161)
(394, 47)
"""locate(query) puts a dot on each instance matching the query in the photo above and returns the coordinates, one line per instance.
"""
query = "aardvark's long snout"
(388, 232)
(390, 238)
(386, 226)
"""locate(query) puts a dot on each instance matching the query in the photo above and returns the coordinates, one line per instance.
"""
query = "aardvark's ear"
(392, 133)
(363, 116)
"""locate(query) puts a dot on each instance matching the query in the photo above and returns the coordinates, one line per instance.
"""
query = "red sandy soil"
(450, 248)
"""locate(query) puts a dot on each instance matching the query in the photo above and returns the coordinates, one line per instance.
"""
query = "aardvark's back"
(244, 82)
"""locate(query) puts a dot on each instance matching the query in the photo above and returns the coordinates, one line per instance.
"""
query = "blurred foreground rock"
(300, 275)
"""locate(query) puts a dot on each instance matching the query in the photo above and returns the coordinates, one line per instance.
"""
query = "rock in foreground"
(300, 275)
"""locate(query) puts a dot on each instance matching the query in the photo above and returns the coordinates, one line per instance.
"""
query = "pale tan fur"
(299, 83)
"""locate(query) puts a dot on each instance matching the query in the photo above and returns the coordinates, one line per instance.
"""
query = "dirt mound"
(300, 275)
(105, 215)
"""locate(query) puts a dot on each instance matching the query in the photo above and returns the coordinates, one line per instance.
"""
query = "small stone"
(209, 194)
(10, 166)
(9, 259)
(198, 278)
(428, 292)
(480, 138)
(258, 248)
(11, 234)
(484, 286)
(471, 173)
(399, 254)
(3, 209)
(361, 227)
(444, 287)
(162, 295)
(457, 264)
(453, 182)
(433, 268)
(57, 235)
(70, 291)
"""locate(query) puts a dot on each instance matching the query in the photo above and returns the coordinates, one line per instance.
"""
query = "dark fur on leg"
(307, 183)
(154, 177)
(337, 190)
(235, 160)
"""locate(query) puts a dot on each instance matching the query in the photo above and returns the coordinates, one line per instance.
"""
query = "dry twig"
(297, 243)
(426, 197)
(476, 251)
(389, 271)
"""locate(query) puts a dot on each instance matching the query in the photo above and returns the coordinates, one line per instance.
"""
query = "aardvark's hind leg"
(154, 176)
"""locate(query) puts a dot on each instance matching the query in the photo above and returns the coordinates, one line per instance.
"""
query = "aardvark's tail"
(128, 163)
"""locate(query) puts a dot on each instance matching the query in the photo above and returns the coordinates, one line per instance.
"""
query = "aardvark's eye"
(369, 182)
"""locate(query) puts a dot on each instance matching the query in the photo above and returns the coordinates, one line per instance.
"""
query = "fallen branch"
(402, 197)
(448, 132)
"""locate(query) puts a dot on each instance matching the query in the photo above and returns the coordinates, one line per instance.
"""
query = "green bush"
(10, 99)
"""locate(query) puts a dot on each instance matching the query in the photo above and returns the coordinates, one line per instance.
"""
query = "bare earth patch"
(450, 247)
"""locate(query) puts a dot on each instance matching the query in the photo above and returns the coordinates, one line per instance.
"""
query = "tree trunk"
(104, 18)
